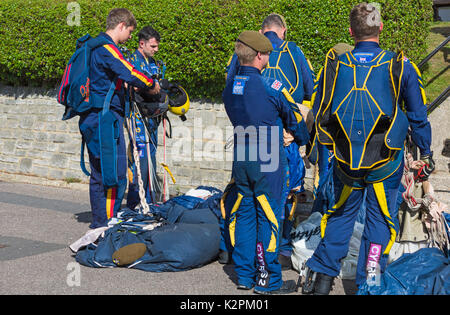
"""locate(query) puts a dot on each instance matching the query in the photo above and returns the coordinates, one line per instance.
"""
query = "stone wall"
(34, 142)
(36, 146)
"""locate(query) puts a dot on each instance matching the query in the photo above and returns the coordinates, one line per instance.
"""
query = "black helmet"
(152, 105)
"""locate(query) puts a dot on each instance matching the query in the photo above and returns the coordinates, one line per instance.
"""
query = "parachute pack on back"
(73, 92)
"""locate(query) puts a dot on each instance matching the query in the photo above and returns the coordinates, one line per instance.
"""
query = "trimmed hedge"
(197, 36)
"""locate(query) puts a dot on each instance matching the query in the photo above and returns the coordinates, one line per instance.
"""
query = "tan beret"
(129, 254)
(256, 41)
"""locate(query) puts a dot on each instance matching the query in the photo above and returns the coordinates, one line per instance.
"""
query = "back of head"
(147, 33)
(248, 44)
(365, 21)
(273, 20)
(119, 15)
(244, 53)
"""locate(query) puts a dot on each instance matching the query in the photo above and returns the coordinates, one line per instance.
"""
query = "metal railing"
(436, 102)
(443, 96)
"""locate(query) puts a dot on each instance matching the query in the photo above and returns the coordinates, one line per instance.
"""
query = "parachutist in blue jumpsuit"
(358, 116)
(107, 66)
(318, 154)
(288, 65)
(143, 60)
(258, 110)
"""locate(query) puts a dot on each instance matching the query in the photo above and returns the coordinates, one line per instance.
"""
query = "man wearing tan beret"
(259, 111)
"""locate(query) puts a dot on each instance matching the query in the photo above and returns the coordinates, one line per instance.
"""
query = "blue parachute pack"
(425, 272)
(73, 93)
(188, 237)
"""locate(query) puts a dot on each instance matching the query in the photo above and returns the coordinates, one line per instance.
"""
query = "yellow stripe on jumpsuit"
(259, 111)
(337, 223)
(369, 157)
(255, 220)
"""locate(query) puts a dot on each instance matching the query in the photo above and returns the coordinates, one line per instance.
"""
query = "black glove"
(426, 170)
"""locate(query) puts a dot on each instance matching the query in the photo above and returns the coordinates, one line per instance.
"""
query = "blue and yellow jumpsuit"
(363, 123)
(288, 65)
(259, 111)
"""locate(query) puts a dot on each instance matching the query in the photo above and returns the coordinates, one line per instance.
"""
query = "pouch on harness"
(73, 93)
(359, 116)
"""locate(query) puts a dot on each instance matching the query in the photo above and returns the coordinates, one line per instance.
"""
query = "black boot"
(323, 284)
(224, 257)
(287, 287)
(285, 262)
(317, 283)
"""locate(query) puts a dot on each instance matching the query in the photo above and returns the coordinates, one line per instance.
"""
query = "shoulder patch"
(276, 85)
(239, 84)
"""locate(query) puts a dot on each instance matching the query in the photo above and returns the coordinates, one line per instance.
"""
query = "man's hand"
(288, 138)
(425, 171)
(155, 89)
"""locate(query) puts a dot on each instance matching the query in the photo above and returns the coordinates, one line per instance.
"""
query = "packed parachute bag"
(424, 272)
(180, 234)
(306, 237)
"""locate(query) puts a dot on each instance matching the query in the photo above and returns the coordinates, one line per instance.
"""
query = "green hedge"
(197, 36)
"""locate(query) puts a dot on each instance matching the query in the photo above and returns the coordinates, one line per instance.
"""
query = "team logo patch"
(363, 57)
(373, 267)
(239, 84)
(263, 276)
(276, 85)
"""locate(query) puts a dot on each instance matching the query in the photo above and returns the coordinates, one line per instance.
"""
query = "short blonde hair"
(244, 53)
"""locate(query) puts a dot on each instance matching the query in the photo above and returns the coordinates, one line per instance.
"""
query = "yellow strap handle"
(168, 171)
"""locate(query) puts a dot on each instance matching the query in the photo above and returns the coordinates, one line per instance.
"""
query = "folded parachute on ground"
(189, 239)
(425, 272)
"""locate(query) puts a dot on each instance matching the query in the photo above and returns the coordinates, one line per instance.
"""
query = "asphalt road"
(39, 222)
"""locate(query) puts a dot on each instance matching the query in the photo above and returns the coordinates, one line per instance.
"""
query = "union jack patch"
(276, 85)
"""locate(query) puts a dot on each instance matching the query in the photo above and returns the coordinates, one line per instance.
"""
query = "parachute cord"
(131, 127)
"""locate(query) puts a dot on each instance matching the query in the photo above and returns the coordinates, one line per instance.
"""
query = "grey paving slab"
(16, 247)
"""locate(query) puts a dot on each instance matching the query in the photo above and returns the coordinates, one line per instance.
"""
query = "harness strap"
(82, 163)
(106, 106)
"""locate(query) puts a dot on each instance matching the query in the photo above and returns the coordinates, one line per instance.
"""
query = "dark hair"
(119, 15)
(147, 33)
(365, 21)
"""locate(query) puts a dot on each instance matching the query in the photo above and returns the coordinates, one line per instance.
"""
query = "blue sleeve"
(317, 93)
(113, 59)
(292, 118)
(413, 95)
(307, 76)
(232, 67)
